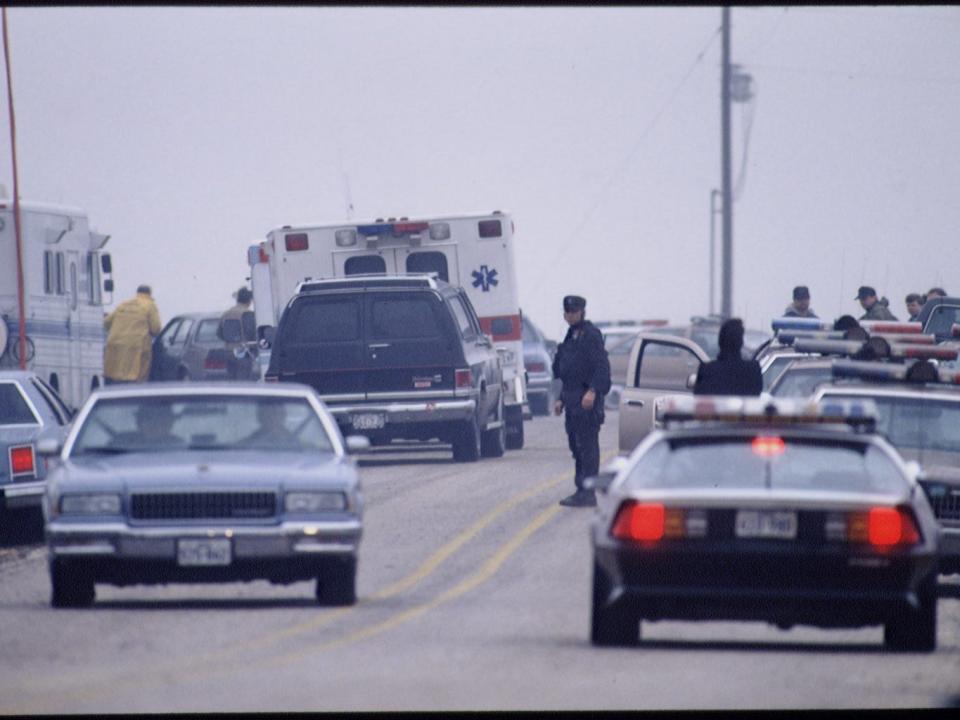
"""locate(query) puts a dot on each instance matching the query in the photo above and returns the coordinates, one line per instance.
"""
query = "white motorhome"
(65, 280)
(472, 250)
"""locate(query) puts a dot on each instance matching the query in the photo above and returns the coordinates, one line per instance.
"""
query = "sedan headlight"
(312, 502)
(90, 504)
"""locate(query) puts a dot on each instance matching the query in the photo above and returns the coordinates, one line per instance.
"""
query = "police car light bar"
(884, 326)
(795, 323)
(773, 411)
(827, 347)
(929, 352)
(788, 337)
(866, 370)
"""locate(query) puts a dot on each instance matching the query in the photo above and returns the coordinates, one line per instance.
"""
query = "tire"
(70, 586)
(611, 626)
(493, 442)
(915, 630)
(541, 404)
(337, 586)
(466, 442)
(513, 417)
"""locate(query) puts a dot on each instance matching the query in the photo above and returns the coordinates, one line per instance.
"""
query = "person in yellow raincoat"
(131, 328)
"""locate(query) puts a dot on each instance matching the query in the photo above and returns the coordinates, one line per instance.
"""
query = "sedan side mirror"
(266, 334)
(357, 443)
(606, 476)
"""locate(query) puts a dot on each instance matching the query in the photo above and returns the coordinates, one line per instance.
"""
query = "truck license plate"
(368, 421)
(766, 524)
(214, 551)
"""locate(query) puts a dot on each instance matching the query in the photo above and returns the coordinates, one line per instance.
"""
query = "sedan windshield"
(767, 462)
(800, 381)
(162, 424)
(918, 423)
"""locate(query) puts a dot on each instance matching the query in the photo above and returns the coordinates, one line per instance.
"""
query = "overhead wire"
(633, 150)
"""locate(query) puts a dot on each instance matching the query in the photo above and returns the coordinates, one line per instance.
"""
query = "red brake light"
(296, 241)
(405, 228)
(463, 378)
(210, 363)
(536, 367)
(892, 526)
(21, 460)
(768, 446)
(639, 521)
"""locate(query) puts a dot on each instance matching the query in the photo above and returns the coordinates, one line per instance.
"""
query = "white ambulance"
(474, 251)
(65, 279)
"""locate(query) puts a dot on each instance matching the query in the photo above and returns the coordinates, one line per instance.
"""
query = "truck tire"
(513, 418)
(493, 442)
(915, 630)
(70, 586)
(466, 441)
(611, 626)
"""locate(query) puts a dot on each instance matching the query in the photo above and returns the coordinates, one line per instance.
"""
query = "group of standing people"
(134, 323)
(874, 308)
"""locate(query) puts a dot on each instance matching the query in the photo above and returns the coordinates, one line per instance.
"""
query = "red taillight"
(463, 378)
(639, 521)
(883, 527)
(768, 446)
(21, 460)
(210, 363)
(536, 367)
(296, 241)
(405, 228)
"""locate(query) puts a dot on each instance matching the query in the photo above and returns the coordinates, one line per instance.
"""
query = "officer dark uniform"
(581, 363)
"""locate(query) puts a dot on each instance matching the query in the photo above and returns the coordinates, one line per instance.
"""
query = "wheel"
(493, 442)
(915, 630)
(513, 416)
(541, 404)
(611, 626)
(466, 442)
(337, 586)
(71, 586)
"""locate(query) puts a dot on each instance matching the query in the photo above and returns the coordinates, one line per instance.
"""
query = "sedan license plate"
(368, 421)
(214, 551)
(766, 524)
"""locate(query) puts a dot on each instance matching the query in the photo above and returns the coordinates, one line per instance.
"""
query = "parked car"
(190, 348)
(396, 357)
(207, 482)
(755, 509)
(30, 410)
(538, 353)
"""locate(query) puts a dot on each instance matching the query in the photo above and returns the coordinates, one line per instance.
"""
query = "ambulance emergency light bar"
(771, 411)
(897, 350)
(866, 370)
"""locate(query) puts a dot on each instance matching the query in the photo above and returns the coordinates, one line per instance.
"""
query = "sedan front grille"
(945, 501)
(203, 506)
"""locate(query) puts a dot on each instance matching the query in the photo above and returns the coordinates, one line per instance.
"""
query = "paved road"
(474, 594)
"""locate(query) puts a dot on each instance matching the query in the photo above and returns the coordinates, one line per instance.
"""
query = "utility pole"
(726, 286)
(714, 194)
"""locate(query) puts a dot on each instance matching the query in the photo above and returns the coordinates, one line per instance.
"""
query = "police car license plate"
(766, 524)
(368, 421)
(215, 551)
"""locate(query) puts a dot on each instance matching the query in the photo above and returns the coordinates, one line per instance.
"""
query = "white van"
(65, 276)
(474, 251)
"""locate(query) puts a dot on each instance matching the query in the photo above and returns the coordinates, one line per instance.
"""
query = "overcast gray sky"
(188, 133)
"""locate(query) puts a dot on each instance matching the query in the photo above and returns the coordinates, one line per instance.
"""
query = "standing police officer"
(581, 363)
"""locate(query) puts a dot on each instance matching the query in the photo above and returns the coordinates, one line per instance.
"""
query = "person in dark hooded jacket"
(729, 374)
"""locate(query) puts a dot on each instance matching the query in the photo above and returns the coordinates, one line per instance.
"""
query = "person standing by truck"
(131, 328)
(238, 368)
(582, 364)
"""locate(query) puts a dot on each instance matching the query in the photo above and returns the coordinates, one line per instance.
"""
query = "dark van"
(395, 357)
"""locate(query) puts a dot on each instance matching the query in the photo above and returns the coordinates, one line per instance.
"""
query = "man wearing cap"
(238, 368)
(582, 364)
(875, 309)
(800, 307)
(130, 327)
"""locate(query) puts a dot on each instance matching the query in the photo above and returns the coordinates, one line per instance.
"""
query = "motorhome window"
(427, 262)
(49, 272)
(403, 317)
(73, 286)
(14, 409)
(93, 281)
(364, 264)
(463, 320)
(318, 320)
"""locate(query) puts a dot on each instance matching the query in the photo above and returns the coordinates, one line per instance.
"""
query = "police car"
(922, 420)
(788, 512)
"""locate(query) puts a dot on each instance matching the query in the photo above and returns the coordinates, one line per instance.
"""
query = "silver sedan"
(203, 483)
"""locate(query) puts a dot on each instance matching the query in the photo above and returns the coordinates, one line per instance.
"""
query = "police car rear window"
(734, 463)
(13, 408)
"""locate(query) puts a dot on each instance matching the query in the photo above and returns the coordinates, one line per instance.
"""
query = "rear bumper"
(825, 589)
(420, 411)
(950, 548)
(23, 494)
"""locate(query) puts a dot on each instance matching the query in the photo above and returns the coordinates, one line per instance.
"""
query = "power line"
(629, 156)
(857, 75)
